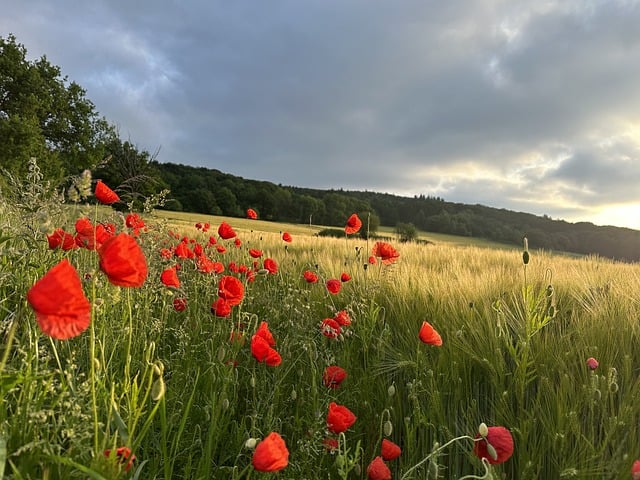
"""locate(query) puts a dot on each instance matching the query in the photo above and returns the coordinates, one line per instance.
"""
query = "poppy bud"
(357, 469)
(150, 350)
(492, 451)
(96, 364)
(251, 443)
(294, 394)
(252, 382)
(225, 404)
(483, 430)
(388, 428)
(391, 391)
(221, 354)
(158, 368)
(158, 389)
(525, 257)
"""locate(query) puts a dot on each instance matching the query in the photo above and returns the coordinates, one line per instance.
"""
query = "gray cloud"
(524, 105)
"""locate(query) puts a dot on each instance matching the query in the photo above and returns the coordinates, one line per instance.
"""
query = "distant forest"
(210, 191)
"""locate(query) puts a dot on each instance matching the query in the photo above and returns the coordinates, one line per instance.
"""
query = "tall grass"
(516, 339)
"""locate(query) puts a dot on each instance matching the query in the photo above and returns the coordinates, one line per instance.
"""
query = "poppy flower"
(343, 318)
(339, 418)
(62, 310)
(237, 242)
(378, 470)
(635, 470)
(502, 442)
(271, 265)
(592, 363)
(133, 221)
(169, 278)
(330, 444)
(310, 276)
(333, 376)
(271, 454)
(345, 277)
(225, 231)
(389, 450)
(183, 250)
(221, 308)
(330, 328)
(334, 286)
(429, 335)
(264, 332)
(386, 252)
(166, 253)
(263, 352)
(372, 260)
(231, 289)
(123, 455)
(179, 304)
(221, 249)
(104, 194)
(255, 253)
(123, 261)
(198, 250)
(61, 239)
(212, 240)
(286, 236)
(353, 224)
(89, 236)
(252, 214)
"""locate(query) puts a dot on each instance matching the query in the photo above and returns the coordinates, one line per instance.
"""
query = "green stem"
(437, 450)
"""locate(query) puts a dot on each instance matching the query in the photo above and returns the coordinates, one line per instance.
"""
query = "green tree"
(406, 231)
(44, 115)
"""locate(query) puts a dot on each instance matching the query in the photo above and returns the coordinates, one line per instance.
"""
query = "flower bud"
(251, 443)
(391, 391)
(387, 428)
(483, 430)
(492, 451)
(158, 389)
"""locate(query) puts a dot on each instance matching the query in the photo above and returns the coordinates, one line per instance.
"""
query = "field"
(193, 394)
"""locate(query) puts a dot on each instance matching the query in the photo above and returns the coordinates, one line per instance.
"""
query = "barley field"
(218, 359)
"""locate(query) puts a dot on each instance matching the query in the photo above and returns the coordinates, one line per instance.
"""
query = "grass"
(189, 402)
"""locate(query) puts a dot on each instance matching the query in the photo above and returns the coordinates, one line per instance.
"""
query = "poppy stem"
(7, 346)
(438, 450)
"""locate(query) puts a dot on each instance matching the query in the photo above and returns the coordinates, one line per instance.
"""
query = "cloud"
(523, 105)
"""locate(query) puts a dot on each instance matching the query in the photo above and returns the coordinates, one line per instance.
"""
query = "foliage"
(407, 232)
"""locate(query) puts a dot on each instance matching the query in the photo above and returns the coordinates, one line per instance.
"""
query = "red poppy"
(225, 231)
(330, 328)
(333, 376)
(429, 335)
(353, 224)
(592, 363)
(104, 194)
(286, 236)
(310, 277)
(255, 253)
(271, 454)
(386, 252)
(133, 221)
(252, 214)
(169, 277)
(231, 289)
(263, 352)
(123, 455)
(89, 236)
(61, 308)
(220, 249)
(502, 442)
(334, 286)
(237, 242)
(330, 444)
(271, 265)
(198, 250)
(61, 239)
(182, 250)
(345, 277)
(339, 418)
(343, 318)
(635, 470)
(372, 260)
(212, 240)
(378, 470)
(166, 253)
(389, 450)
(123, 261)
(264, 332)
(179, 304)
(221, 308)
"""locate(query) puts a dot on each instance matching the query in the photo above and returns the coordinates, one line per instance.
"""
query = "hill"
(210, 191)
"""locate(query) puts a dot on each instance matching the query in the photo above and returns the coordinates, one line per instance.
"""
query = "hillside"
(211, 191)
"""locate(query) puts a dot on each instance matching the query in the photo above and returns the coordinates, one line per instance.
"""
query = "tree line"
(45, 116)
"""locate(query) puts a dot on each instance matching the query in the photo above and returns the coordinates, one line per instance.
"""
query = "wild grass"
(516, 339)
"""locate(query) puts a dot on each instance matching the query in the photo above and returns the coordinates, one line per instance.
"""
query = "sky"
(532, 106)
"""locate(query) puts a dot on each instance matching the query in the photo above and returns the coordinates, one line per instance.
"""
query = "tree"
(44, 115)
(406, 231)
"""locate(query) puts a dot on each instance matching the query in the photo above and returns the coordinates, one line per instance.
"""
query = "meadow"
(165, 373)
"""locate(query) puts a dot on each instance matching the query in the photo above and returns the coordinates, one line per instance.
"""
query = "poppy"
(123, 261)
(225, 231)
(89, 236)
(255, 253)
(339, 418)
(286, 236)
(231, 289)
(237, 242)
(592, 363)
(212, 240)
(182, 250)
(334, 286)
(205, 264)
(386, 252)
(271, 265)
(635, 470)
(252, 214)
(263, 331)
(122, 454)
(378, 470)
(263, 352)
(389, 450)
(330, 444)
(330, 328)
(179, 304)
(333, 376)
(220, 249)
(345, 277)
(372, 260)
(61, 239)
(166, 253)
(429, 335)
(133, 221)
(271, 454)
(104, 194)
(353, 224)
(343, 318)
(221, 308)
(198, 250)
(502, 442)
(169, 278)
(310, 276)
(62, 310)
